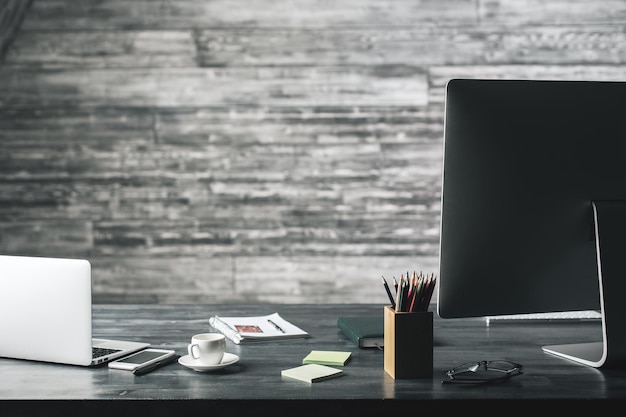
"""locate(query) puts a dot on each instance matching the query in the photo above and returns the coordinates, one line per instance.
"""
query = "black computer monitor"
(533, 215)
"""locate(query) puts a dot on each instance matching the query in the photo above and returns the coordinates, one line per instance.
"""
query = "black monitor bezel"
(523, 160)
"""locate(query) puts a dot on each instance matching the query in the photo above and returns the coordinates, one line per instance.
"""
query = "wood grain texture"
(257, 150)
(167, 14)
(545, 379)
(12, 14)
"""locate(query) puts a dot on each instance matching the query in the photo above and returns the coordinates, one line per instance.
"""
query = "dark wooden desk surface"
(256, 378)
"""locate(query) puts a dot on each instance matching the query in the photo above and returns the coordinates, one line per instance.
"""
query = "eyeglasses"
(483, 372)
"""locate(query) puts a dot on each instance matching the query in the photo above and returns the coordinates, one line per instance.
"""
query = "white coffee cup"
(207, 348)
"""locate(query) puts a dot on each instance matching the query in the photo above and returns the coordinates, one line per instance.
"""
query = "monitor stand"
(611, 261)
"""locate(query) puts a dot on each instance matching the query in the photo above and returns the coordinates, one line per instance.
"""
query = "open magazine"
(256, 328)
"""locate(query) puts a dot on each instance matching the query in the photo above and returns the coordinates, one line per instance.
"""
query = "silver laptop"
(45, 313)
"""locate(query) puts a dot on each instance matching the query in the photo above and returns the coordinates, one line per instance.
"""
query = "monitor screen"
(526, 165)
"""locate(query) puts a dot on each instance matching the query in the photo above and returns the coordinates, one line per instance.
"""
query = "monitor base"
(609, 219)
(586, 353)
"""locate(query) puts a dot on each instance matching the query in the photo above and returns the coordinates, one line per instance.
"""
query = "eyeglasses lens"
(484, 371)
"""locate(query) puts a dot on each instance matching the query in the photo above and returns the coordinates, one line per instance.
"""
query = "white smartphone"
(140, 359)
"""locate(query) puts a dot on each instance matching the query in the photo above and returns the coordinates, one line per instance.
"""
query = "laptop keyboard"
(98, 352)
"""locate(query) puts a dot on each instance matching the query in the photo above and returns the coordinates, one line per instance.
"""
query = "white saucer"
(189, 362)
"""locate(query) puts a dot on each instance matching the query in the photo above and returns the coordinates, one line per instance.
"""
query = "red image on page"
(247, 328)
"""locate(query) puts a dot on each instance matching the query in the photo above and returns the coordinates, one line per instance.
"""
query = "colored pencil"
(393, 303)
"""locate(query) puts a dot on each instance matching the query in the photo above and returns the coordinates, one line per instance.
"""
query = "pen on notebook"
(393, 303)
(149, 368)
(276, 326)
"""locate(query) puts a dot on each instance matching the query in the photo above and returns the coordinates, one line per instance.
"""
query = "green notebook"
(311, 372)
(364, 331)
(327, 357)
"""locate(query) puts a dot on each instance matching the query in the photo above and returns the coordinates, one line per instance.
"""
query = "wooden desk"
(257, 380)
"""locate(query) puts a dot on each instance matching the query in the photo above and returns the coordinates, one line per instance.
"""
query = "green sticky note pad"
(327, 357)
(311, 372)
